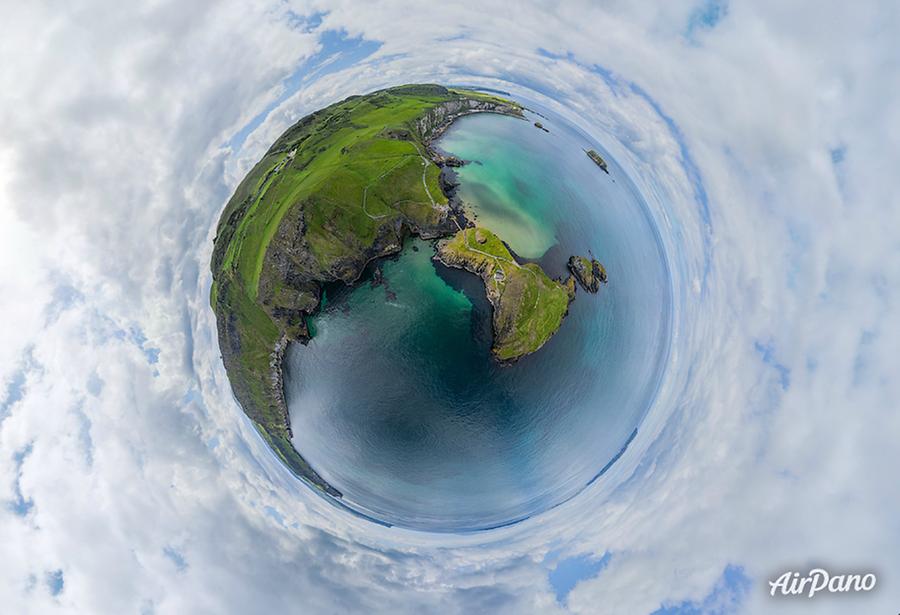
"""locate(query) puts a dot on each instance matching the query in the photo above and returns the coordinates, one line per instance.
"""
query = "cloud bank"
(763, 138)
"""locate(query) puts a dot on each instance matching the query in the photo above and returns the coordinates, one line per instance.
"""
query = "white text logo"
(818, 580)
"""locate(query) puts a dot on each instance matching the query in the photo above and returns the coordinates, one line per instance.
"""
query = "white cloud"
(140, 480)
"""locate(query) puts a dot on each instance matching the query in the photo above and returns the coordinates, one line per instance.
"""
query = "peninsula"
(528, 306)
(342, 187)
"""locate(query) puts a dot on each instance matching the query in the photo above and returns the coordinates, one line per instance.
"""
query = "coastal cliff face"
(317, 209)
(433, 123)
(290, 288)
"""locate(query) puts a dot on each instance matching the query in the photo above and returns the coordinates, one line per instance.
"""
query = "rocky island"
(598, 160)
(590, 273)
(342, 187)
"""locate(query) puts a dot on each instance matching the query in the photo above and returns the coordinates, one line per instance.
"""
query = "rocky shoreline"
(390, 245)
(430, 128)
(263, 295)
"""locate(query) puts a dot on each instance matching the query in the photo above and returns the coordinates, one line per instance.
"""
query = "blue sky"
(568, 572)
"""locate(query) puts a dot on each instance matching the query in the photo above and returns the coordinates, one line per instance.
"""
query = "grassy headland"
(341, 187)
(528, 306)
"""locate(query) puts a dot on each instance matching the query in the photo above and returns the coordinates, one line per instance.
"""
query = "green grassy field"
(529, 306)
(340, 187)
(339, 158)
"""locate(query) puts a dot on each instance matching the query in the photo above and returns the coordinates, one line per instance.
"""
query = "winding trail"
(499, 266)
(425, 161)
(366, 189)
(424, 171)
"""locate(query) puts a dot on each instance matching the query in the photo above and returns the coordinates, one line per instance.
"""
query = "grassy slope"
(352, 181)
(340, 155)
(529, 306)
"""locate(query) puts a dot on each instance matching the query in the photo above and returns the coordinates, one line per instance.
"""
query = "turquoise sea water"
(396, 400)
